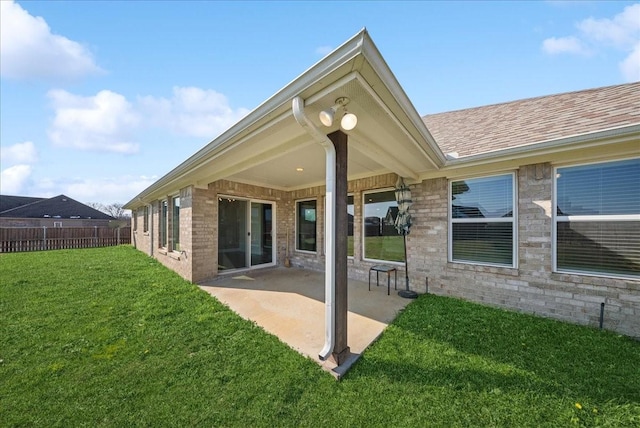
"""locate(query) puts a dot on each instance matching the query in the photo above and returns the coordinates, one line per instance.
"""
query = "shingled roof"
(10, 202)
(60, 206)
(500, 126)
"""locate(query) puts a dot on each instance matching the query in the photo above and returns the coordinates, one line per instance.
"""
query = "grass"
(109, 337)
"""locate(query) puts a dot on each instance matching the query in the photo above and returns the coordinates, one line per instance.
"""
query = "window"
(145, 219)
(381, 239)
(175, 222)
(163, 223)
(350, 215)
(135, 219)
(306, 225)
(597, 219)
(482, 228)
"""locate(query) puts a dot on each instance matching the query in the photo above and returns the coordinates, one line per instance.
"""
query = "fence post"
(95, 235)
(44, 237)
(118, 234)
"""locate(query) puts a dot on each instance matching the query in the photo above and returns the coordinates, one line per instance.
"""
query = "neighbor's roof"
(10, 202)
(60, 206)
(501, 126)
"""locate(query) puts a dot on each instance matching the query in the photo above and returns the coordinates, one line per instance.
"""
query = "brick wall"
(532, 287)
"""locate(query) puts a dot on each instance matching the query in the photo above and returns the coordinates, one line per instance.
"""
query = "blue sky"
(100, 99)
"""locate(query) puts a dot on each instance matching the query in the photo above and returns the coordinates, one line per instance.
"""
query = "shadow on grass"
(448, 342)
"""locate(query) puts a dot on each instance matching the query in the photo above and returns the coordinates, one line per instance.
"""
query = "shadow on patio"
(289, 303)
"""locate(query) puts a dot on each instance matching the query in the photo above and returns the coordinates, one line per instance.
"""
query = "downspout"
(329, 226)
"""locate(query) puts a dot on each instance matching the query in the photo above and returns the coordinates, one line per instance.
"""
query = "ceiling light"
(326, 116)
(299, 169)
(348, 121)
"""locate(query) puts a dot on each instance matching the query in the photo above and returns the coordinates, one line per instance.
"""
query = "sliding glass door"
(245, 233)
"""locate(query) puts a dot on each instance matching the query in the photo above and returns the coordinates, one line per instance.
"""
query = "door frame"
(274, 235)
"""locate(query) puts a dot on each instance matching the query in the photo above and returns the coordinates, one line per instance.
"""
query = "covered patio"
(290, 304)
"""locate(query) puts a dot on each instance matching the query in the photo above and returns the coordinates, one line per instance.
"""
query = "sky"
(99, 99)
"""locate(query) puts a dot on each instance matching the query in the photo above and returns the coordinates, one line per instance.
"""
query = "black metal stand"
(407, 294)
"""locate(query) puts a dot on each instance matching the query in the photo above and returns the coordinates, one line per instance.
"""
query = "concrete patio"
(289, 303)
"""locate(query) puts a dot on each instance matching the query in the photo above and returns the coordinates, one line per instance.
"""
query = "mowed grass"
(109, 337)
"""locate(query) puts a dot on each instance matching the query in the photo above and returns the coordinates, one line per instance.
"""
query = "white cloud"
(106, 190)
(324, 50)
(191, 111)
(24, 153)
(29, 50)
(102, 122)
(622, 32)
(559, 45)
(630, 67)
(108, 122)
(14, 179)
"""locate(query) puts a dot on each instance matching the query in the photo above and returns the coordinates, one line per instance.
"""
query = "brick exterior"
(532, 287)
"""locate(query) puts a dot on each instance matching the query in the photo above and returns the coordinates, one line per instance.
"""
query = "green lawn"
(109, 337)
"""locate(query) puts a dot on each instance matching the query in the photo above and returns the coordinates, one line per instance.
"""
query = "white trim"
(274, 235)
(295, 246)
(364, 216)
(352, 195)
(588, 218)
(555, 219)
(515, 245)
(166, 224)
(597, 138)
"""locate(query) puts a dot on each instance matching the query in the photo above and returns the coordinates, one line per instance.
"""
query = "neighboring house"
(532, 205)
(59, 211)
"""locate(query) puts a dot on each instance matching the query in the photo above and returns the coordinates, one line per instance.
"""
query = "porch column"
(341, 349)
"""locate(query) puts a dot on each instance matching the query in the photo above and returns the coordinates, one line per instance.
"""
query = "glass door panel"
(245, 234)
(232, 234)
(261, 233)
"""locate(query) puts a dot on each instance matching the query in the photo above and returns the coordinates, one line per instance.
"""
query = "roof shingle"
(60, 206)
(500, 126)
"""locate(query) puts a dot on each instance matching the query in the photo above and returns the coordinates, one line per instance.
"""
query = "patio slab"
(289, 303)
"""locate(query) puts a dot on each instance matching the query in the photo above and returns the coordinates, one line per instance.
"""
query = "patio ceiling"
(268, 146)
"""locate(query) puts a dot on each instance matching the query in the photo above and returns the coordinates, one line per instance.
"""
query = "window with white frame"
(175, 222)
(306, 225)
(381, 239)
(350, 224)
(597, 219)
(482, 227)
(164, 212)
(145, 219)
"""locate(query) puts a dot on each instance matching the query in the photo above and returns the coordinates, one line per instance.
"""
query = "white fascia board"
(572, 142)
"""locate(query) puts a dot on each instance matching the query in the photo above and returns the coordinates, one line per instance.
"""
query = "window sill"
(306, 252)
(163, 251)
(175, 255)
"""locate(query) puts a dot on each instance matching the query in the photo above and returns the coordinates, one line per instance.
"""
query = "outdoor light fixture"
(348, 121)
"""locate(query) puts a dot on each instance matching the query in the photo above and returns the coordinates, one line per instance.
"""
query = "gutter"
(330, 226)
(548, 146)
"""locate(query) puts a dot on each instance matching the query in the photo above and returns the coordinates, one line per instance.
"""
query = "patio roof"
(268, 146)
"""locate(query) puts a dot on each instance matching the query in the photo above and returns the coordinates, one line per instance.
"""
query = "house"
(58, 211)
(531, 205)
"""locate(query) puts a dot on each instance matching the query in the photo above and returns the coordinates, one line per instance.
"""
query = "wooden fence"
(17, 239)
